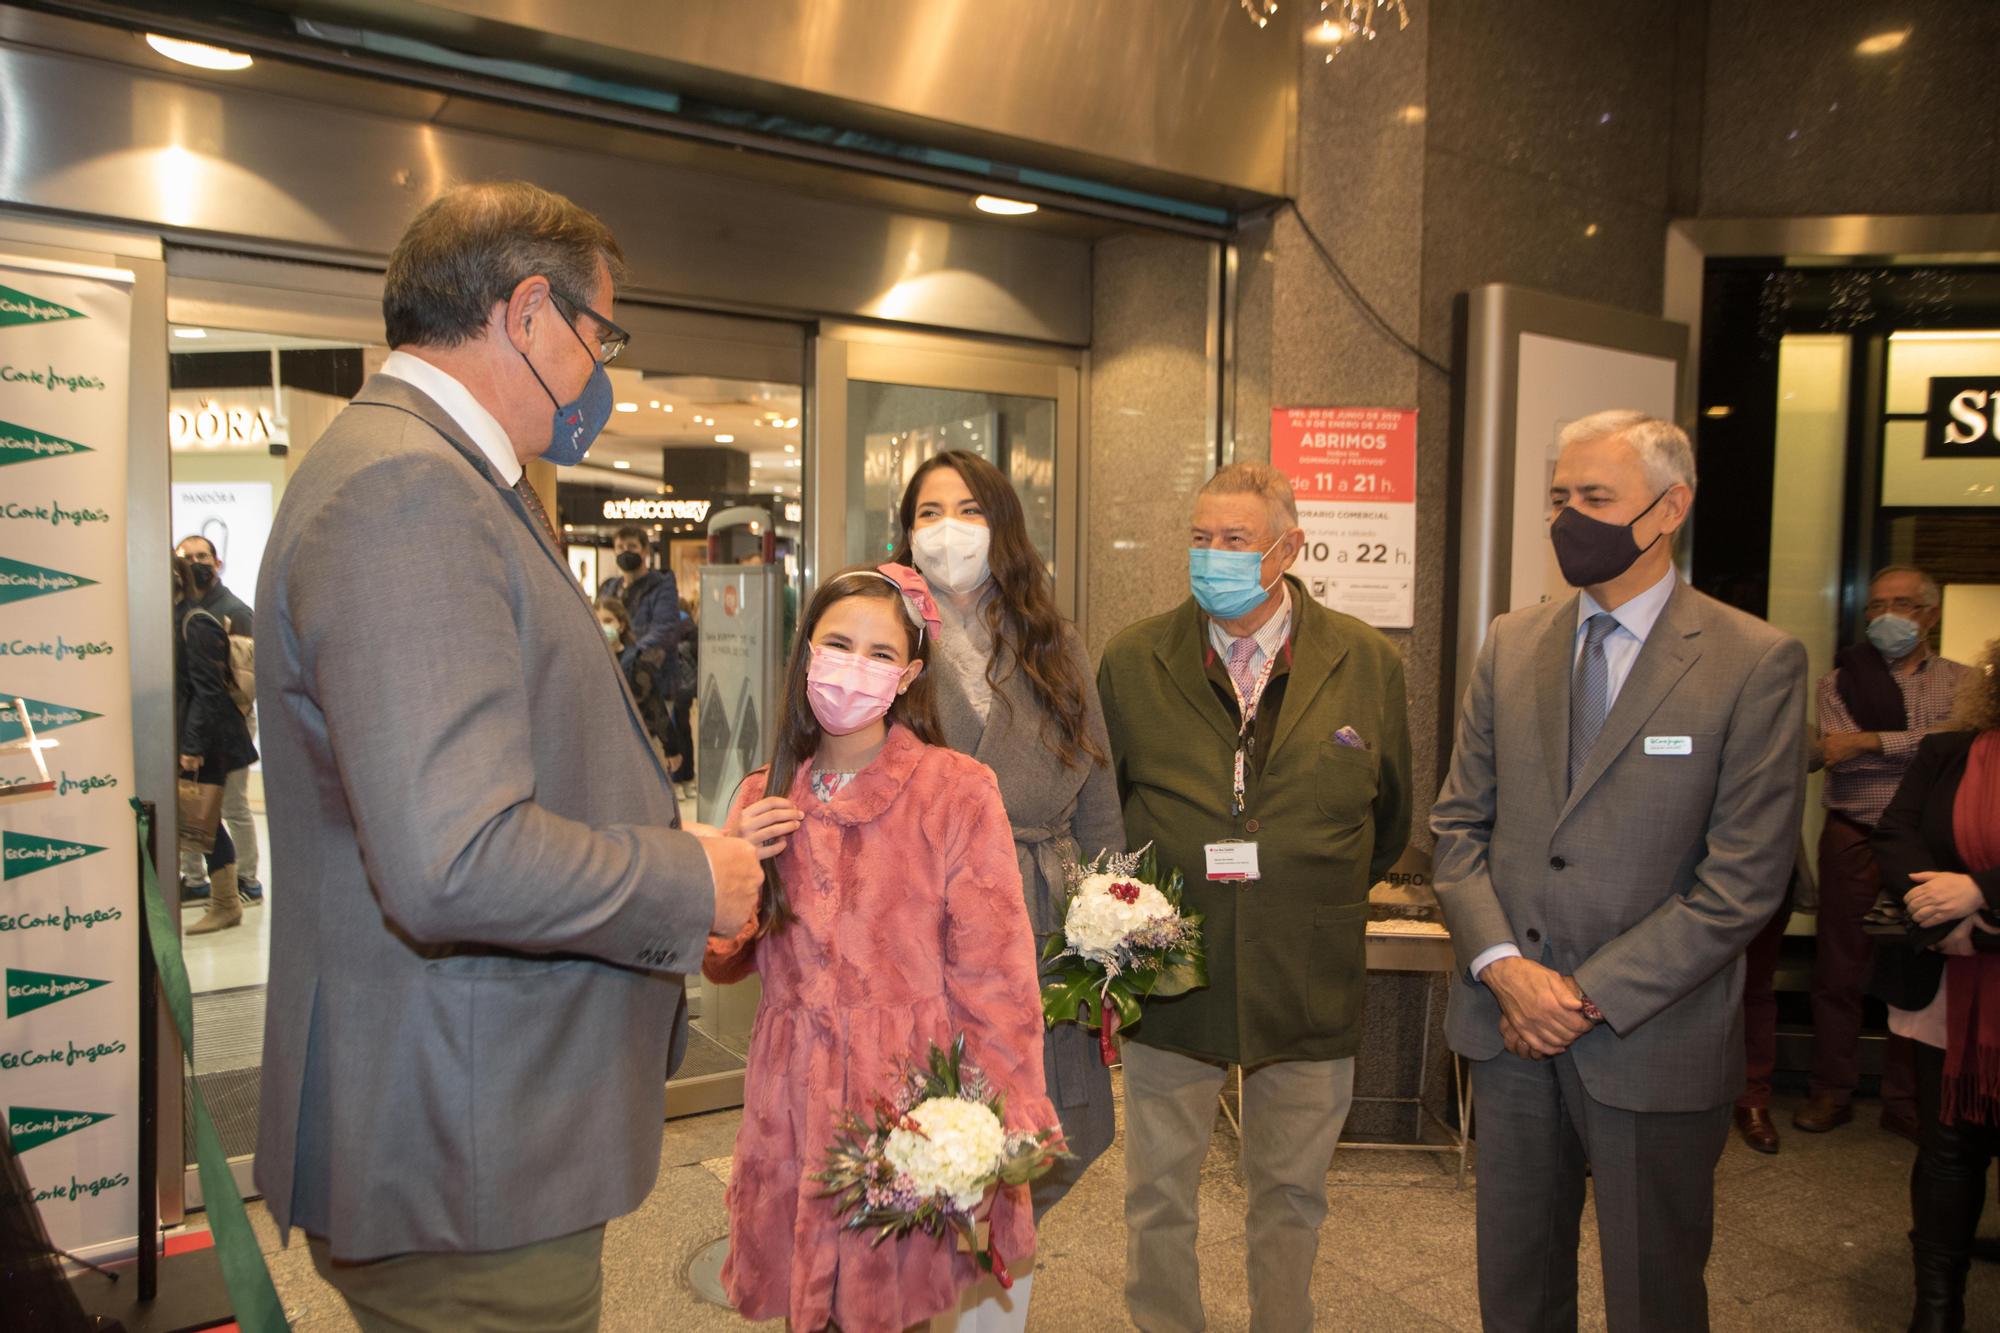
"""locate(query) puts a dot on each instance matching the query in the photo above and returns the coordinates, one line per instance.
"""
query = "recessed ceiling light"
(199, 54)
(791, 448)
(1719, 410)
(190, 333)
(1882, 43)
(666, 407)
(654, 403)
(725, 439)
(628, 407)
(620, 464)
(1006, 208)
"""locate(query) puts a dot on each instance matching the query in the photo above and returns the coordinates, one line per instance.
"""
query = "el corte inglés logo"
(28, 991)
(18, 307)
(20, 581)
(32, 1126)
(45, 716)
(18, 444)
(25, 853)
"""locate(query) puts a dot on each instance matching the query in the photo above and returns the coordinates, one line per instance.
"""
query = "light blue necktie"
(1590, 692)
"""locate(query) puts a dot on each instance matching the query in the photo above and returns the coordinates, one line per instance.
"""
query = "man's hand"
(190, 763)
(1837, 747)
(1516, 1044)
(739, 879)
(1941, 896)
(1540, 1005)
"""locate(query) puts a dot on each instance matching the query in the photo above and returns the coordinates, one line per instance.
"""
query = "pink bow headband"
(916, 596)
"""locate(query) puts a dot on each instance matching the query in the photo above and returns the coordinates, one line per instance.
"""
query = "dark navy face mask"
(1592, 551)
(576, 423)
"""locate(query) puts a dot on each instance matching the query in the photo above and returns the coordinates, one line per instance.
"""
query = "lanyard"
(1244, 739)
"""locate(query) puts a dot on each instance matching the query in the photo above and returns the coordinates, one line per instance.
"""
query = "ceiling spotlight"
(628, 407)
(1719, 410)
(654, 403)
(620, 464)
(666, 407)
(1006, 208)
(199, 54)
(791, 448)
(725, 439)
(1882, 43)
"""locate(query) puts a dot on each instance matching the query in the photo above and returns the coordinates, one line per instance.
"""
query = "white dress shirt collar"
(1636, 616)
(471, 415)
(1270, 637)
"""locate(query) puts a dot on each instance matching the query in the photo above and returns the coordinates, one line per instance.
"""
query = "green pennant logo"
(32, 1126)
(45, 716)
(25, 853)
(28, 991)
(18, 444)
(20, 581)
(17, 307)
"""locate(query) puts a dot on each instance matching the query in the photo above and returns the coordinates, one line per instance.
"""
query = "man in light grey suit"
(1607, 846)
(475, 985)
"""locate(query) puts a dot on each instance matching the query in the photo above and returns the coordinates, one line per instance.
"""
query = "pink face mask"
(848, 691)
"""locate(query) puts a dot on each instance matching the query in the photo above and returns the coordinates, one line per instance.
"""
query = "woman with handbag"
(214, 741)
(1938, 847)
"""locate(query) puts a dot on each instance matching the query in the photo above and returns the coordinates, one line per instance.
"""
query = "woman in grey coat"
(1016, 692)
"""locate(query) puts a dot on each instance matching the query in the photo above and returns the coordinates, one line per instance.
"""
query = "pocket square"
(1351, 738)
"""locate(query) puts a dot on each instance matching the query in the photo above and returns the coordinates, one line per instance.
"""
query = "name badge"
(1232, 860)
(1669, 745)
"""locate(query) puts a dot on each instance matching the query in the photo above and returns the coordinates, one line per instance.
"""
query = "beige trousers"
(1292, 1116)
(553, 1285)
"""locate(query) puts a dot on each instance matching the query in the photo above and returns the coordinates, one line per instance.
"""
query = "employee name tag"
(1232, 860)
(1669, 745)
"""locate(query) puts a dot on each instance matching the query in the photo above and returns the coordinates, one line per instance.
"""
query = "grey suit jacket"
(474, 997)
(1648, 880)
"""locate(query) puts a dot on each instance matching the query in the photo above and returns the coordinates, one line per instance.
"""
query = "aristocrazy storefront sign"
(69, 1085)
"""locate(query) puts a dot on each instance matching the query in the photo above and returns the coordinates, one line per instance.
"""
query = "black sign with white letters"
(1964, 417)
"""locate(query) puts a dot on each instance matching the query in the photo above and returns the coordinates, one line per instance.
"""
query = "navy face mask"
(576, 423)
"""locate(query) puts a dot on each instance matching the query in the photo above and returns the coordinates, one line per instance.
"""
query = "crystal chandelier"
(1342, 22)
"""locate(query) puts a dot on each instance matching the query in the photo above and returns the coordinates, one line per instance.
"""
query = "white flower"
(1100, 922)
(958, 1153)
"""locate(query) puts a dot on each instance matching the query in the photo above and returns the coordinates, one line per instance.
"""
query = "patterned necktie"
(1590, 692)
(1240, 653)
(534, 503)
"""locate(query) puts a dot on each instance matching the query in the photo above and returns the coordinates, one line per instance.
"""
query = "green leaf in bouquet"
(1053, 947)
(1120, 994)
(1181, 974)
(1068, 998)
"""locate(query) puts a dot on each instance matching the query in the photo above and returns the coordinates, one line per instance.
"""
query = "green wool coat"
(1286, 955)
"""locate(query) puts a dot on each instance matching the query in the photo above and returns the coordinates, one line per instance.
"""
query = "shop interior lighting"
(1719, 410)
(725, 439)
(199, 54)
(628, 407)
(1882, 43)
(620, 464)
(1944, 335)
(1006, 208)
(791, 448)
(190, 333)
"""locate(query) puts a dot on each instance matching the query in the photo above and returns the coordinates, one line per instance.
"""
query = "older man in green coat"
(1280, 824)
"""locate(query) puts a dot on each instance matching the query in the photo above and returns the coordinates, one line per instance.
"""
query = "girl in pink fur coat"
(892, 918)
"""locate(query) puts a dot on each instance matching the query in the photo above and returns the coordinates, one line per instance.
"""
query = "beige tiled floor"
(1810, 1240)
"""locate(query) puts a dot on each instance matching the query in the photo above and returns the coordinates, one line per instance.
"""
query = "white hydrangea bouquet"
(1125, 938)
(934, 1150)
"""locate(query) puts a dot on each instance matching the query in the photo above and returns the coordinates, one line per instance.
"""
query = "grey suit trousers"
(1653, 1173)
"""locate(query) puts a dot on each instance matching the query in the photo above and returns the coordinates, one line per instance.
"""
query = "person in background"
(1014, 690)
(237, 620)
(471, 1017)
(1937, 845)
(1874, 707)
(892, 919)
(214, 737)
(651, 596)
(1618, 824)
(1760, 1021)
(1251, 676)
(648, 691)
(687, 684)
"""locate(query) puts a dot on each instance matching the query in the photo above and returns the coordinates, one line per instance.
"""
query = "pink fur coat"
(910, 927)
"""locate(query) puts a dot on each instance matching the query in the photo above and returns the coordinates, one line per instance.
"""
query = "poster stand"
(194, 1295)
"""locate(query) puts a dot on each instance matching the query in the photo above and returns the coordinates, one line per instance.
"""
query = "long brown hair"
(798, 726)
(1022, 616)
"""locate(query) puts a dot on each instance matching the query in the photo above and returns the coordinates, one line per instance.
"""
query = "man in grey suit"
(475, 986)
(1604, 855)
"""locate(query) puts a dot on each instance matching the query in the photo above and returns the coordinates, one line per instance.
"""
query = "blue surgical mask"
(576, 423)
(1228, 584)
(1895, 637)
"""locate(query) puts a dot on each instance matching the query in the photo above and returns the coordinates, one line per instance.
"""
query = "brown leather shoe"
(1754, 1124)
(1902, 1123)
(1824, 1112)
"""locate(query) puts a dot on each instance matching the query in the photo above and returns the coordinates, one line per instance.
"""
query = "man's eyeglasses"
(1900, 605)
(611, 339)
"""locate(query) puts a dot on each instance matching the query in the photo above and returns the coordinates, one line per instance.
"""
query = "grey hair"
(1927, 587)
(1258, 479)
(1662, 446)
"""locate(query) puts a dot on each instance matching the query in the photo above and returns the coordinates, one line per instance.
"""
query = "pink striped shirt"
(1861, 787)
